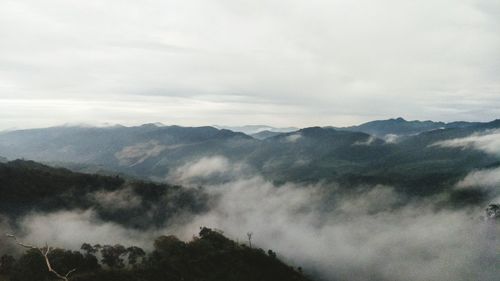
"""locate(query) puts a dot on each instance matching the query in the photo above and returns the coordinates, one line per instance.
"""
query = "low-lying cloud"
(293, 138)
(138, 153)
(69, 229)
(391, 138)
(368, 141)
(207, 169)
(363, 237)
(487, 180)
(121, 199)
(371, 233)
(488, 141)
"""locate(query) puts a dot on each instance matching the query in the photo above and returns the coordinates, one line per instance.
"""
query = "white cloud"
(121, 199)
(363, 236)
(138, 153)
(293, 138)
(69, 229)
(391, 138)
(489, 178)
(368, 141)
(488, 141)
(207, 170)
(218, 62)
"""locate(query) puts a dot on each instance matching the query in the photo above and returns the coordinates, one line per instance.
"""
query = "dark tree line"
(27, 186)
(209, 257)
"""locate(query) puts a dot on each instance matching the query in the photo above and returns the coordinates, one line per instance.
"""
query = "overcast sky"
(234, 62)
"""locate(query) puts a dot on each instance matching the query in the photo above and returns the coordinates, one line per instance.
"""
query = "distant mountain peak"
(402, 127)
(254, 129)
(155, 124)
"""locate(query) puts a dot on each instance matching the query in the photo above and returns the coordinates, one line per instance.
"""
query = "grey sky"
(282, 63)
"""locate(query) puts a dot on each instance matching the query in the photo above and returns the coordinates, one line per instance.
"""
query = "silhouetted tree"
(30, 266)
(112, 256)
(271, 254)
(7, 264)
(88, 249)
(249, 235)
(135, 253)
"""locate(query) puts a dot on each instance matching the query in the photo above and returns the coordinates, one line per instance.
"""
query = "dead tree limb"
(249, 235)
(44, 251)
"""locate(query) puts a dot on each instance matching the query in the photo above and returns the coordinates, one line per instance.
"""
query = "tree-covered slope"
(26, 186)
(402, 127)
(209, 257)
(413, 164)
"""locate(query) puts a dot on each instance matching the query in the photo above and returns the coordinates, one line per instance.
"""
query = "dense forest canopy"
(31, 187)
(209, 256)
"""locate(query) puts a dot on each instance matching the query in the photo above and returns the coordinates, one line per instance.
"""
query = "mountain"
(254, 129)
(264, 134)
(147, 151)
(205, 155)
(155, 152)
(402, 127)
(335, 175)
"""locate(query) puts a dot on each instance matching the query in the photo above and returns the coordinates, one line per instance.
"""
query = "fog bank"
(368, 233)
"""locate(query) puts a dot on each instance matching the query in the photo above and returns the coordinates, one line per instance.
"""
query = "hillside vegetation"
(27, 186)
(208, 257)
(408, 159)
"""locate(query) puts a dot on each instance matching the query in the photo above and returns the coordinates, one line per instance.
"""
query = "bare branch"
(249, 235)
(22, 244)
(45, 253)
(69, 272)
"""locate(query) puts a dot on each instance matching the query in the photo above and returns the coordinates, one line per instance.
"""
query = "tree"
(30, 266)
(112, 255)
(169, 245)
(7, 264)
(249, 235)
(271, 254)
(135, 253)
(492, 211)
(88, 249)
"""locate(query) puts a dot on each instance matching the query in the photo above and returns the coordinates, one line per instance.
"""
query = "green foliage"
(28, 186)
(64, 261)
(212, 256)
(348, 156)
(112, 256)
(134, 255)
(30, 266)
(209, 257)
(7, 264)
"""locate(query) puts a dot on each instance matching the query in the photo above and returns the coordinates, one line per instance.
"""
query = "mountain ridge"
(313, 154)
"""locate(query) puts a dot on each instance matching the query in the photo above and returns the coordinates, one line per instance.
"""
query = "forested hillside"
(420, 158)
(328, 200)
(209, 256)
(28, 186)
